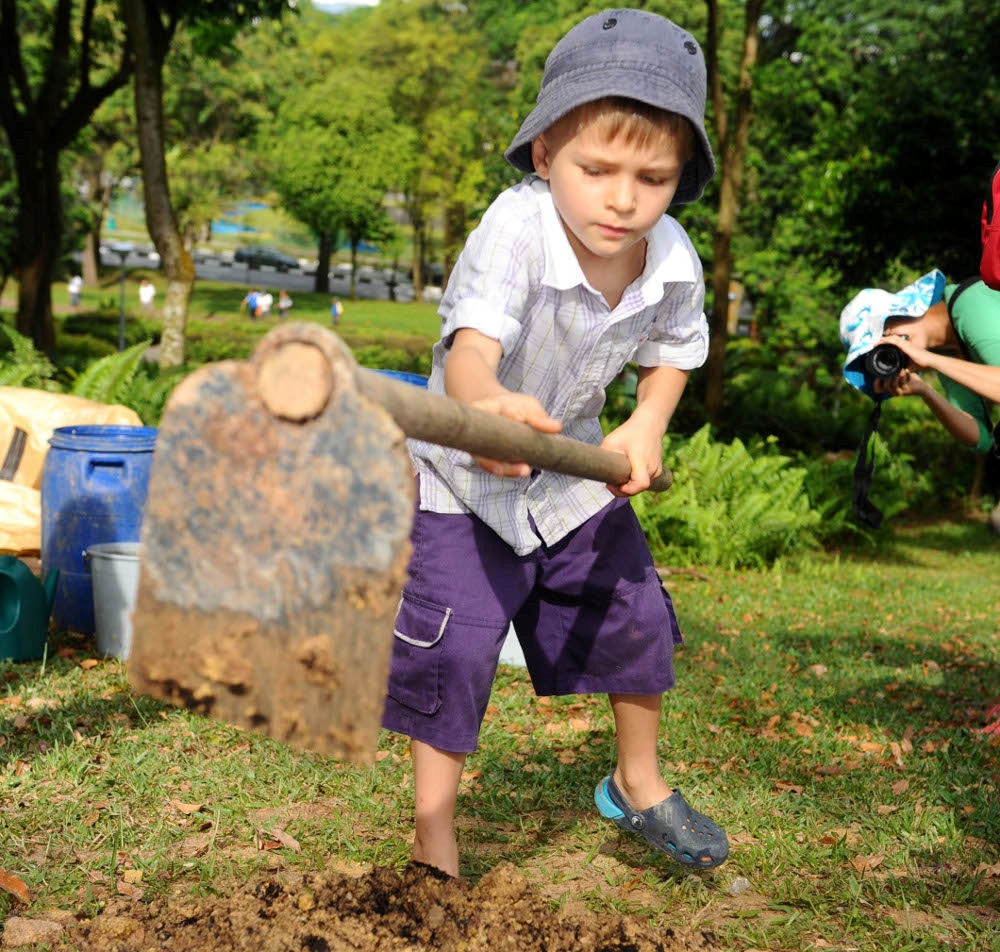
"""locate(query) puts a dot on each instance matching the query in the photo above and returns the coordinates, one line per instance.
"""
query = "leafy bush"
(108, 379)
(382, 357)
(115, 378)
(127, 379)
(22, 365)
(728, 507)
(899, 486)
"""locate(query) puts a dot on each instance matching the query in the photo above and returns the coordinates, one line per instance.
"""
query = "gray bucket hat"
(628, 53)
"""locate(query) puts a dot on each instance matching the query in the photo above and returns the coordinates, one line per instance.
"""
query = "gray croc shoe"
(671, 826)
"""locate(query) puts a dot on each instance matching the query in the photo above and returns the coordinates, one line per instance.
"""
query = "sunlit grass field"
(825, 715)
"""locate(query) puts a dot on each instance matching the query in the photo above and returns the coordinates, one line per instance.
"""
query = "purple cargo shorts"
(590, 613)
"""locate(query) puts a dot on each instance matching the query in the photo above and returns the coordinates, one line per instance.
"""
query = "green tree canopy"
(335, 150)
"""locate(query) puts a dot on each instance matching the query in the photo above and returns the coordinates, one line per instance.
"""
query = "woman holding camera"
(958, 337)
(952, 330)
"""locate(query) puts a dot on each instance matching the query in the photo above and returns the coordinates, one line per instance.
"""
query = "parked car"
(257, 255)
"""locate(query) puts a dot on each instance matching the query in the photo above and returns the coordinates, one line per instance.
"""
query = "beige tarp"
(27, 419)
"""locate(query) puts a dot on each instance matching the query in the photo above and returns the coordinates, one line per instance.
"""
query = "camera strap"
(864, 469)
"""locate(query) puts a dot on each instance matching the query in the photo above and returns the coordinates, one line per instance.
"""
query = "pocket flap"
(419, 623)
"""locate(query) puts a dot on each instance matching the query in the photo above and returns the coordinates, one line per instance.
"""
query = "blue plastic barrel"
(94, 484)
(416, 379)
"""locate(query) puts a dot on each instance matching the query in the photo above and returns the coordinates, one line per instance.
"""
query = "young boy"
(571, 274)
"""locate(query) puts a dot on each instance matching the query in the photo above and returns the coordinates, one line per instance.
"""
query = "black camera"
(885, 361)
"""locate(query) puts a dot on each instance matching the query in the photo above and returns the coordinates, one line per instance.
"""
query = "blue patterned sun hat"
(863, 320)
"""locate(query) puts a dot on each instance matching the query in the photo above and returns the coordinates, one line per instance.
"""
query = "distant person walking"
(264, 302)
(147, 295)
(336, 311)
(249, 303)
(74, 286)
(284, 304)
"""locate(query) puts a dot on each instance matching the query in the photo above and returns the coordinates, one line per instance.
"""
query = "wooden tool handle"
(439, 419)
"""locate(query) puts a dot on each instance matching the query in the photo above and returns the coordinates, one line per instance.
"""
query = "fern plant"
(23, 365)
(728, 507)
(109, 379)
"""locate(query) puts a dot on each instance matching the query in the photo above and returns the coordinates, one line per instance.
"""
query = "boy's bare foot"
(443, 856)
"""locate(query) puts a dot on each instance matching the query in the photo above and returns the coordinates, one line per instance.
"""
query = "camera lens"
(885, 361)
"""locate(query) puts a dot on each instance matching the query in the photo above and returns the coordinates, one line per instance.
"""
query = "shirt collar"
(667, 257)
(562, 268)
(668, 260)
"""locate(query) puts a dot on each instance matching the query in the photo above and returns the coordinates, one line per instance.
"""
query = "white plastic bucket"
(114, 567)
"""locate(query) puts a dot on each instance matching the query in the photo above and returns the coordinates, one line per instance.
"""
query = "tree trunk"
(98, 194)
(322, 285)
(415, 213)
(732, 159)
(40, 234)
(454, 237)
(40, 123)
(150, 41)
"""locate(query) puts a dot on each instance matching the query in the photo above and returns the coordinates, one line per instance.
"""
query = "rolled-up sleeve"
(679, 337)
(492, 279)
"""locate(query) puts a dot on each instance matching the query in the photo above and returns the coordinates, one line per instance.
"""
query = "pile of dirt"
(420, 909)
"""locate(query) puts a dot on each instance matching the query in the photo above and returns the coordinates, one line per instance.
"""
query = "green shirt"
(976, 319)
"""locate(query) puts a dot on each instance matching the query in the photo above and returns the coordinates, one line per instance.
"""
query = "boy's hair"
(638, 123)
(626, 54)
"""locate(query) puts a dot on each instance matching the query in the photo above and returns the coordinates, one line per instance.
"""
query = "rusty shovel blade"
(275, 540)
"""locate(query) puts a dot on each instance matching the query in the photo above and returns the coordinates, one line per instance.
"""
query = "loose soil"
(418, 909)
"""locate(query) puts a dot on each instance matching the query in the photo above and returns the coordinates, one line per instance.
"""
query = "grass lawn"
(823, 716)
(381, 333)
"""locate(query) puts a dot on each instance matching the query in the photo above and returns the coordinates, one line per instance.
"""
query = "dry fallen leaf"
(900, 787)
(187, 808)
(865, 864)
(11, 884)
(127, 889)
(261, 841)
(285, 840)
(89, 663)
(789, 787)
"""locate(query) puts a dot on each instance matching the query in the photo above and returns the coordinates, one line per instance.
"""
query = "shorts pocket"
(419, 631)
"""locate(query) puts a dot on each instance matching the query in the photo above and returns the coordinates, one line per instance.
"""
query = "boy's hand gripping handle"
(439, 419)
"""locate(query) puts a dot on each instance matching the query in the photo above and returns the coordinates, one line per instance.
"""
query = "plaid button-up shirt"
(518, 281)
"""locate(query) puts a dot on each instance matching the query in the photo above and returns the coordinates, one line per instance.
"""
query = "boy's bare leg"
(436, 776)
(637, 724)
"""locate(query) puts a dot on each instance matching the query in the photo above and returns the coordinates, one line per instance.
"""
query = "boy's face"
(609, 193)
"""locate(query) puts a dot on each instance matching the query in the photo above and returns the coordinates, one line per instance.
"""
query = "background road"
(371, 283)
